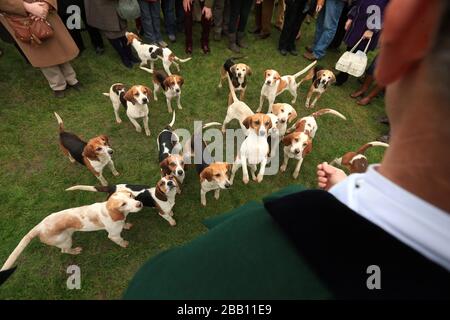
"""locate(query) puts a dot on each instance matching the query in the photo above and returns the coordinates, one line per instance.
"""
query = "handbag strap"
(357, 44)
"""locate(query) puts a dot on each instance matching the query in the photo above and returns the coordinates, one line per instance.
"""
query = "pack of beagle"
(151, 53)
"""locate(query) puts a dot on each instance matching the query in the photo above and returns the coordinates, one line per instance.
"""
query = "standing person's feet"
(310, 56)
(283, 52)
(59, 93)
(255, 30)
(188, 49)
(77, 86)
(293, 52)
(99, 50)
(262, 36)
(365, 101)
(357, 94)
(162, 44)
(232, 43)
(172, 38)
(240, 40)
(383, 120)
(205, 48)
(279, 27)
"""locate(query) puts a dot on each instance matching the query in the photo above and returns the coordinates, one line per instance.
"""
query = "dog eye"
(172, 164)
(123, 204)
(296, 140)
(257, 122)
(98, 149)
(305, 144)
(182, 163)
(289, 113)
(282, 110)
(267, 123)
(217, 175)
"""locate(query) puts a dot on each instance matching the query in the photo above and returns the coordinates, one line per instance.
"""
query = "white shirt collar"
(413, 221)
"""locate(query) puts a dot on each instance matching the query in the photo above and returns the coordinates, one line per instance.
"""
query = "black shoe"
(384, 138)
(59, 93)
(383, 120)
(100, 50)
(283, 52)
(293, 52)
(135, 60)
(127, 63)
(77, 86)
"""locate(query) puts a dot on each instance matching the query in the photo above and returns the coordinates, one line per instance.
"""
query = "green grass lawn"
(34, 172)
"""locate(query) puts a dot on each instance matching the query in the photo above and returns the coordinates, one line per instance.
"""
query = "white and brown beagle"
(57, 229)
(274, 85)
(171, 161)
(321, 80)
(356, 162)
(298, 144)
(151, 53)
(213, 175)
(94, 154)
(171, 86)
(135, 101)
(161, 197)
(238, 73)
(285, 114)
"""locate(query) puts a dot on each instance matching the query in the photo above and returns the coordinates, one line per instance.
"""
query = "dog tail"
(170, 125)
(363, 148)
(60, 122)
(182, 60)
(331, 111)
(211, 124)
(298, 74)
(233, 93)
(146, 69)
(106, 94)
(106, 189)
(20, 247)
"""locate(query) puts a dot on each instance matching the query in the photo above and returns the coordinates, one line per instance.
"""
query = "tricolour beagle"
(356, 162)
(298, 144)
(321, 80)
(134, 100)
(94, 154)
(171, 161)
(161, 197)
(57, 229)
(171, 86)
(274, 85)
(149, 52)
(238, 73)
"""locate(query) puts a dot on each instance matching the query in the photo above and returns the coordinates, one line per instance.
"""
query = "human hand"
(328, 176)
(259, 1)
(368, 34)
(319, 5)
(187, 5)
(37, 9)
(348, 24)
(207, 13)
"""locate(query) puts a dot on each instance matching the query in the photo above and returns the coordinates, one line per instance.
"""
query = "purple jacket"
(362, 15)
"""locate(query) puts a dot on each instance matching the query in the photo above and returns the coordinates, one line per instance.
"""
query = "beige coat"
(54, 51)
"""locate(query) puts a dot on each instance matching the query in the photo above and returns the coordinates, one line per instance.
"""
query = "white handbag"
(353, 63)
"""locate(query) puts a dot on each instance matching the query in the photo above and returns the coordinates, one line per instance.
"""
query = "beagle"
(161, 197)
(285, 114)
(274, 85)
(213, 175)
(255, 148)
(57, 229)
(134, 100)
(94, 154)
(149, 52)
(238, 73)
(171, 86)
(356, 162)
(298, 144)
(171, 161)
(321, 80)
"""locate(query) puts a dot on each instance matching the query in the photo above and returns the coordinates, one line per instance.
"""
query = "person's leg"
(281, 7)
(341, 78)
(179, 13)
(340, 31)
(69, 73)
(299, 14)
(168, 8)
(204, 39)
(128, 51)
(235, 6)
(364, 87)
(218, 11)
(188, 29)
(146, 20)
(258, 13)
(155, 9)
(333, 9)
(226, 17)
(372, 95)
(289, 19)
(266, 18)
(118, 46)
(243, 17)
(56, 79)
(94, 34)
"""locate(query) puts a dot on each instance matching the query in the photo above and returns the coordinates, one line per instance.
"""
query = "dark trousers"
(293, 19)
(206, 26)
(239, 11)
(94, 33)
(179, 13)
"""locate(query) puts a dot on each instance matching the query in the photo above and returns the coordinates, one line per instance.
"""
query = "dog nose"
(227, 185)
(239, 74)
(145, 100)
(268, 81)
(283, 120)
(177, 90)
(110, 151)
(139, 205)
(297, 151)
(180, 172)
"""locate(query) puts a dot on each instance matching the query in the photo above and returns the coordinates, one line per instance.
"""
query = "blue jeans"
(326, 26)
(168, 8)
(150, 20)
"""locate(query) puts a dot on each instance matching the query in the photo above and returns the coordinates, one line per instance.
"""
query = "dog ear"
(247, 122)
(270, 121)
(276, 107)
(147, 91)
(308, 148)
(287, 140)
(333, 78)
(292, 116)
(89, 152)
(277, 76)
(249, 71)
(206, 174)
(129, 95)
(166, 82)
(164, 165)
(105, 138)
(159, 193)
(233, 69)
(180, 80)
(113, 206)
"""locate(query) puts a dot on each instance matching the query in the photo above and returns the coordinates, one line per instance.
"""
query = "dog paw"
(119, 121)
(245, 179)
(203, 203)
(128, 226)
(172, 222)
(124, 244)
(116, 173)
(139, 129)
(295, 175)
(180, 107)
(260, 178)
(147, 133)
(283, 168)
